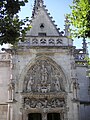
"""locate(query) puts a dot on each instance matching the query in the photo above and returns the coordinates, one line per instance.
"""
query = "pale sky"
(57, 9)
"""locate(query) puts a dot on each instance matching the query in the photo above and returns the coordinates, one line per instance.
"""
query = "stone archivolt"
(43, 77)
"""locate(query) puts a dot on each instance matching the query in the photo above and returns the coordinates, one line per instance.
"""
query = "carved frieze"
(43, 77)
(43, 103)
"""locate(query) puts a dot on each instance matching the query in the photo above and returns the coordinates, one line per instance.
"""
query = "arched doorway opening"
(53, 116)
(34, 116)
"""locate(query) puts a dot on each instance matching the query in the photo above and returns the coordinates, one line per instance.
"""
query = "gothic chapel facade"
(44, 78)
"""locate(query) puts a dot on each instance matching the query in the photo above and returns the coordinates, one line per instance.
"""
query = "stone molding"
(4, 63)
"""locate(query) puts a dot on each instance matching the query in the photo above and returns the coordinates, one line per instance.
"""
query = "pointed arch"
(39, 64)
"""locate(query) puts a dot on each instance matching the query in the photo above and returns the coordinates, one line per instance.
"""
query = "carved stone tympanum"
(43, 77)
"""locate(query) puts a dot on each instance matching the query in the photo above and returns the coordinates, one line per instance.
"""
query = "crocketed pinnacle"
(37, 4)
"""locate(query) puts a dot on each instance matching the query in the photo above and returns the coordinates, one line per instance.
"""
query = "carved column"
(21, 114)
(44, 116)
(10, 112)
(62, 116)
(65, 115)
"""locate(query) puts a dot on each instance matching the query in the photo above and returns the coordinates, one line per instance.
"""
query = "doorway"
(53, 116)
(34, 116)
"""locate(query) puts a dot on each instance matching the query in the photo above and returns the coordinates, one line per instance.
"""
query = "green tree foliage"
(11, 27)
(80, 18)
(88, 60)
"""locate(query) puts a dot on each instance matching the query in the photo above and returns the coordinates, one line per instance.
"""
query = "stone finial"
(67, 27)
(37, 4)
(84, 45)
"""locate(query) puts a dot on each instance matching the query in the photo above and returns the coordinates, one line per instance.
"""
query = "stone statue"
(33, 103)
(39, 105)
(57, 85)
(49, 87)
(44, 74)
(29, 85)
(38, 87)
(45, 103)
(27, 103)
(75, 87)
(25, 85)
(11, 91)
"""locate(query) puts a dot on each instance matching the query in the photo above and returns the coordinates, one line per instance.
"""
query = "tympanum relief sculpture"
(44, 89)
(43, 77)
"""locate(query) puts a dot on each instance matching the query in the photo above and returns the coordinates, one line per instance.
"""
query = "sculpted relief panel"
(43, 77)
(43, 103)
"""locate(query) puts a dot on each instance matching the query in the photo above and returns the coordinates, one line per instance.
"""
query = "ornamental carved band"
(43, 103)
(44, 77)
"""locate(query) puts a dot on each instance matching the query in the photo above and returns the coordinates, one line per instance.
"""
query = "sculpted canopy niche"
(44, 76)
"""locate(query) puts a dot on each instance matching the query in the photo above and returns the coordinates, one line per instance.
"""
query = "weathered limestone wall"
(3, 111)
(83, 94)
(4, 80)
(4, 76)
(83, 83)
(84, 112)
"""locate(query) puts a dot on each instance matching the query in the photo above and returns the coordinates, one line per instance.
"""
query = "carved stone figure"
(53, 103)
(39, 88)
(25, 85)
(11, 91)
(75, 87)
(57, 85)
(33, 103)
(44, 74)
(30, 83)
(38, 105)
(27, 103)
(49, 87)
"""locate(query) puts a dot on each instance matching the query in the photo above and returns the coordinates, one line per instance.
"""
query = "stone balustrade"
(45, 41)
